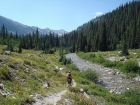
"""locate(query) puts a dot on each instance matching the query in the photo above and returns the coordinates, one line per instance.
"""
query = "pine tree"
(124, 51)
(103, 38)
(36, 39)
(3, 31)
(20, 48)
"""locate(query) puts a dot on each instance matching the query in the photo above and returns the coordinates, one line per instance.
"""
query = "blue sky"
(56, 14)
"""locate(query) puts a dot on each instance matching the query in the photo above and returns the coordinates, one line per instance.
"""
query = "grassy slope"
(24, 67)
(30, 62)
(100, 58)
(97, 93)
(127, 98)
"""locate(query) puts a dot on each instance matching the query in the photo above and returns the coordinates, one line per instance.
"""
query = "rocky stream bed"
(113, 80)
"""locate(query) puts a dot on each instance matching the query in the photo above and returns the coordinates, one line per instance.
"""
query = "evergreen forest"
(116, 30)
(36, 70)
(111, 31)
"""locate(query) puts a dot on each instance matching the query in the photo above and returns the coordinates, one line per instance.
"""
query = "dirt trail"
(53, 98)
(113, 80)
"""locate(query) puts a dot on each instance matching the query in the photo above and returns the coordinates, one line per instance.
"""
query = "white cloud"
(98, 13)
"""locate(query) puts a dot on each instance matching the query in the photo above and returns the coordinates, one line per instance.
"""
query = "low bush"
(92, 55)
(51, 51)
(74, 89)
(85, 88)
(27, 101)
(27, 62)
(73, 67)
(9, 101)
(119, 65)
(98, 90)
(64, 60)
(80, 99)
(41, 76)
(13, 65)
(131, 66)
(133, 97)
(82, 81)
(108, 63)
(91, 75)
(61, 58)
(99, 60)
(4, 73)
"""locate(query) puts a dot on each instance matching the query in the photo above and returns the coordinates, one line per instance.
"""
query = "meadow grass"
(29, 70)
(130, 66)
(29, 65)
(97, 92)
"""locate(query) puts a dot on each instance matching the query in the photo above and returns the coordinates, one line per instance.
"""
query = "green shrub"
(131, 75)
(74, 89)
(4, 73)
(27, 62)
(12, 64)
(64, 60)
(82, 81)
(41, 76)
(95, 89)
(46, 70)
(68, 61)
(73, 67)
(86, 88)
(131, 66)
(9, 101)
(92, 55)
(99, 60)
(42, 67)
(80, 99)
(108, 63)
(133, 97)
(113, 98)
(61, 58)
(51, 51)
(119, 65)
(90, 75)
(27, 101)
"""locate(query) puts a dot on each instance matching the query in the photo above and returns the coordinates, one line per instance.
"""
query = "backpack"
(69, 78)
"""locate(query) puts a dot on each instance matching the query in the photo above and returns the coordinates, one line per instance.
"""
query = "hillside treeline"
(114, 30)
(111, 31)
(29, 41)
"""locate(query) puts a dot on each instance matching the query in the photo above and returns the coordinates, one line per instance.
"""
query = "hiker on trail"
(69, 79)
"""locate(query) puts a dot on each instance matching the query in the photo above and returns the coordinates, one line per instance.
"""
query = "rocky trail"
(51, 99)
(113, 80)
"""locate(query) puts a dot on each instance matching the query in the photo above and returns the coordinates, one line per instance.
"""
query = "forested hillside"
(33, 40)
(111, 31)
(35, 71)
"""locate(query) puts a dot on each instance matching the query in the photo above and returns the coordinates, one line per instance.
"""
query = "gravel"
(113, 80)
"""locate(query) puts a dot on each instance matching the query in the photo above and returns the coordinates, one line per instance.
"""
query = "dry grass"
(30, 70)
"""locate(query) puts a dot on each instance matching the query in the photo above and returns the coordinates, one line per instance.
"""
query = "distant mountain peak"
(13, 26)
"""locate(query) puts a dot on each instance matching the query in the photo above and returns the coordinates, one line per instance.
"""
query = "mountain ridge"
(21, 29)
